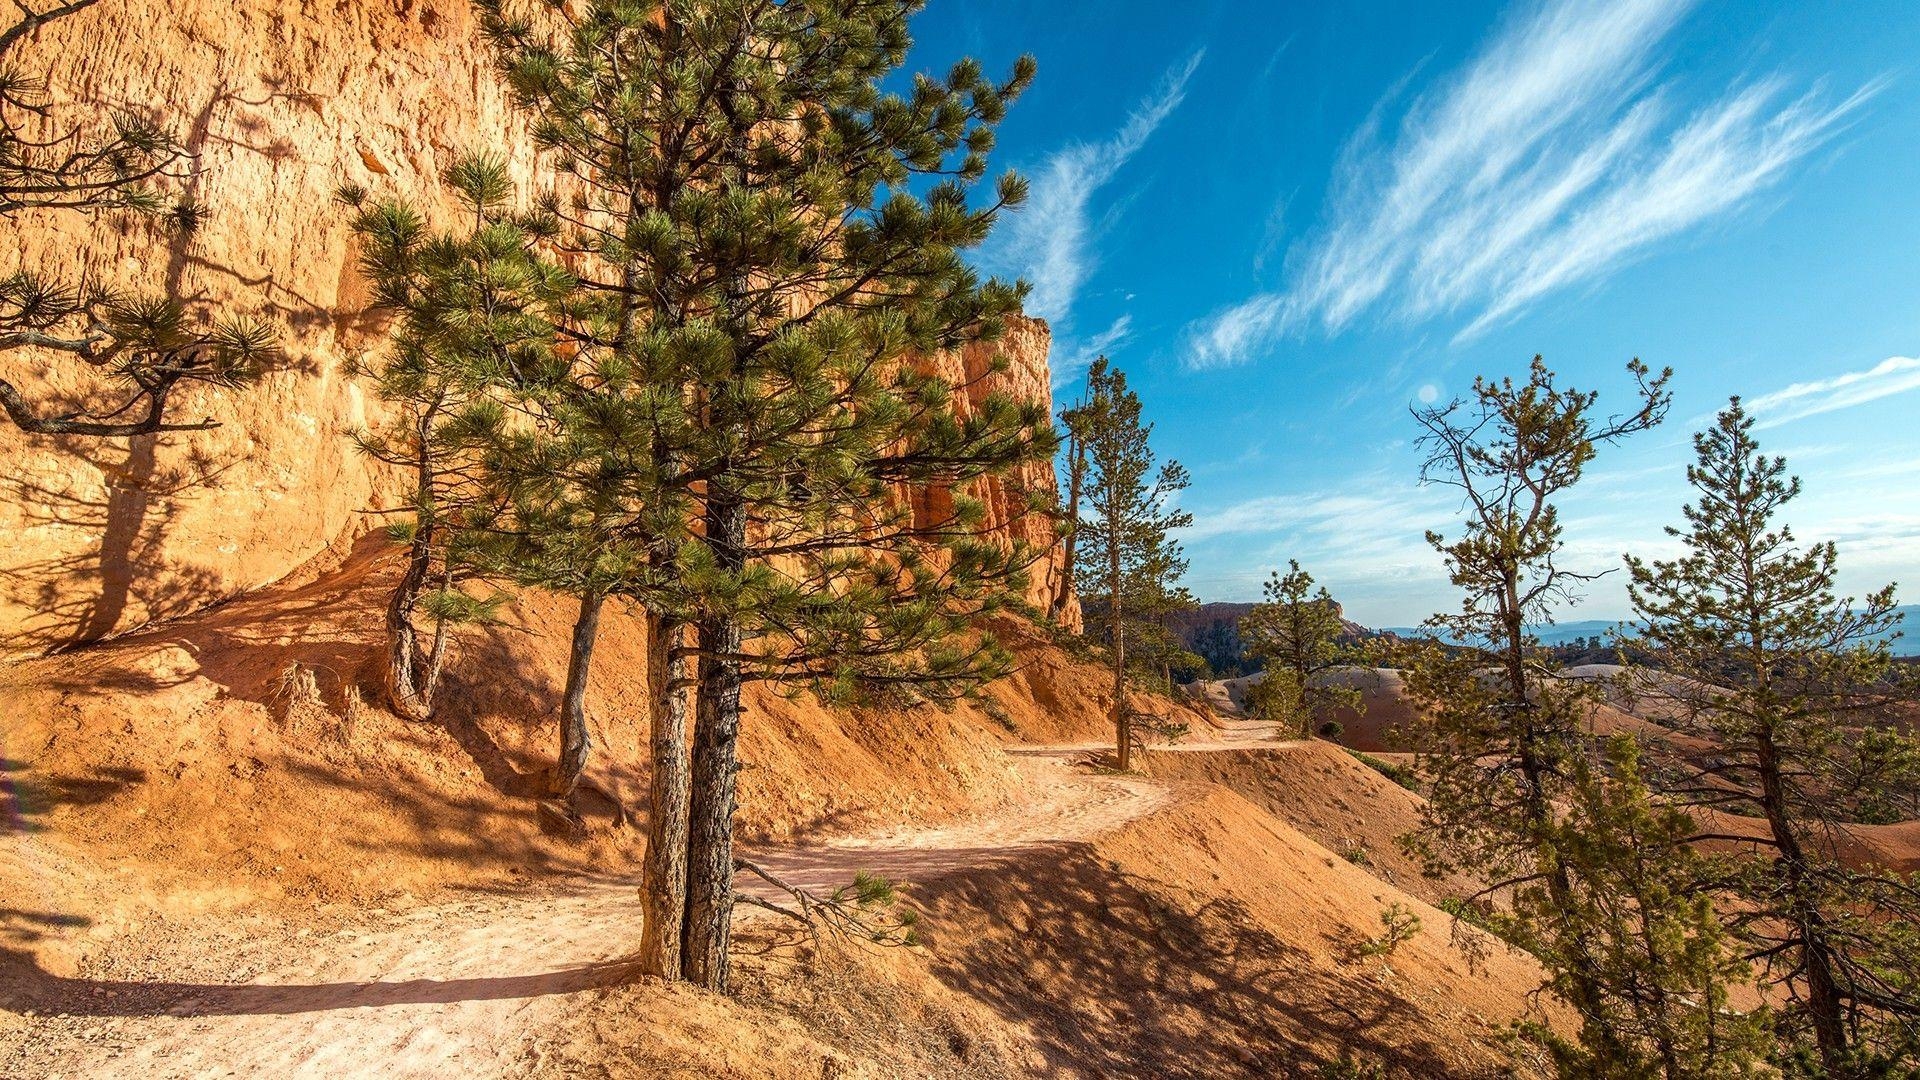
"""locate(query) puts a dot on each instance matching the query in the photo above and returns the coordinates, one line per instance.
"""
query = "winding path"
(452, 989)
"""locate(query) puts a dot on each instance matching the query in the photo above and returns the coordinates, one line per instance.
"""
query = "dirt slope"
(246, 746)
(1326, 793)
(223, 855)
(1214, 940)
(1175, 915)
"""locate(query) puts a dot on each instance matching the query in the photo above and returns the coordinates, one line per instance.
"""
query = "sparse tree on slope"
(145, 348)
(1072, 420)
(1650, 941)
(1753, 650)
(1127, 556)
(1296, 632)
(523, 421)
(1511, 450)
(757, 195)
(447, 291)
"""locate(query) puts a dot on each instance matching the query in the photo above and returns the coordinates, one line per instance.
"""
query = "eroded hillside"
(224, 854)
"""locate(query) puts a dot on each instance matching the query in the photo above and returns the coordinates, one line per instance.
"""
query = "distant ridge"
(1563, 633)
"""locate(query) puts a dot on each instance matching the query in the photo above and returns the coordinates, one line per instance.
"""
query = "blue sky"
(1289, 221)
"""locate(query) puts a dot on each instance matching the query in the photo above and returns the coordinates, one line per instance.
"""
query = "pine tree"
(773, 239)
(144, 347)
(1296, 633)
(1752, 650)
(1511, 450)
(447, 292)
(1651, 943)
(1154, 648)
(1127, 556)
(1072, 420)
(518, 419)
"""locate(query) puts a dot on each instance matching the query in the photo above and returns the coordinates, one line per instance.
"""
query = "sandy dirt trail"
(452, 989)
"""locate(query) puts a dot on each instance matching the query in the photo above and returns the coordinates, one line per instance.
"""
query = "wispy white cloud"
(1049, 242)
(1073, 356)
(1366, 543)
(1552, 158)
(1894, 375)
(1233, 335)
(1719, 159)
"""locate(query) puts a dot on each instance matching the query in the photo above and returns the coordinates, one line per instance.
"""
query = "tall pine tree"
(1127, 556)
(1503, 751)
(447, 291)
(775, 240)
(1752, 649)
(1072, 420)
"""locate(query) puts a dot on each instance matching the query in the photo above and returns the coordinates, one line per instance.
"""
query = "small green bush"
(1399, 774)
(1398, 925)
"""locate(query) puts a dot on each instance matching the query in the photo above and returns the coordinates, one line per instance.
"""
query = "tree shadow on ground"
(30, 986)
(25, 798)
(1117, 975)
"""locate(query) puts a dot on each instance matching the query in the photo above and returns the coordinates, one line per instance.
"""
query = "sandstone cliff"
(280, 101)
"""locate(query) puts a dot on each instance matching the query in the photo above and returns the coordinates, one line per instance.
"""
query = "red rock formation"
(280, 102)
(1027, 377)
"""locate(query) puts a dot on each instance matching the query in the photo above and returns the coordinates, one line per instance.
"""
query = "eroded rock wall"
(280, 101)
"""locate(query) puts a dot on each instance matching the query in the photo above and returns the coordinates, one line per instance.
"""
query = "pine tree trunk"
(574, 740)
(1824, 1006)
(436, 663)
(716, 735)
(1122, 727)
(1586, 996)
(403, 686)
(1076, 472)
(664, 891)
(404, 692)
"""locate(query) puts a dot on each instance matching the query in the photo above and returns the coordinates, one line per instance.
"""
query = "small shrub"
(1332, 729)
(1399, 774)
(1398, 925)
(997, 713)
(1167, 729)
(1349, 1067)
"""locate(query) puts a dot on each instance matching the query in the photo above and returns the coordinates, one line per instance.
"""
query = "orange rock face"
(280, 102)
(1027, 378)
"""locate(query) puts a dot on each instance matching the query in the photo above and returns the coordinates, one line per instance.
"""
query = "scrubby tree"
(1652, 950)
(1296, 632)
(1128, 558)
(781, 241)
(447, 291)
(1752, 649)
(506, 419)
(143, 348)
(1072, 420)
(1502, 747)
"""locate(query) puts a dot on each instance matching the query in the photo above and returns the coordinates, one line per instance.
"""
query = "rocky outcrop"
(1008, 499)
(280, 101)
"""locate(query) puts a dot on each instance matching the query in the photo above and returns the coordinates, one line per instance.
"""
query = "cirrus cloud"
(1553, 158)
